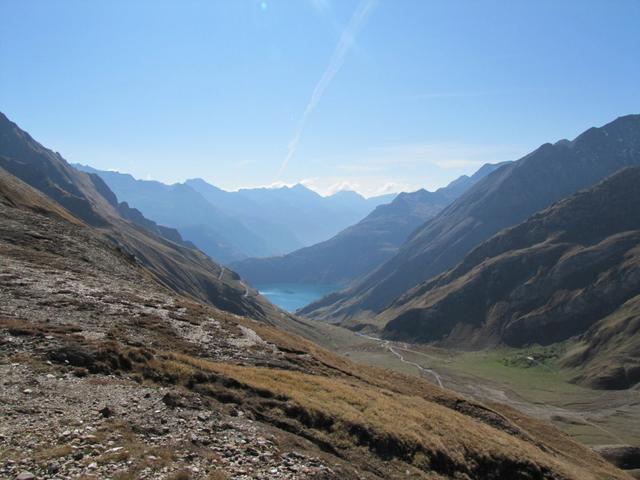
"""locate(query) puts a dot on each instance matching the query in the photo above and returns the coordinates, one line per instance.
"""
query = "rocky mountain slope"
(362, 247)
(607, 356)
(160, 250)
(566, 270)
(502, 199)
(107, 373)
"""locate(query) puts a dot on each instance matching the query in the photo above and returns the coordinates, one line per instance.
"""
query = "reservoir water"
(292, 296)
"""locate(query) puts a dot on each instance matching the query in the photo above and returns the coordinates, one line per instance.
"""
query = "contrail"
(337, 60)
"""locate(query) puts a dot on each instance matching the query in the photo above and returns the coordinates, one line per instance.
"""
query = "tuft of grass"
(217, 475)
(52, 453)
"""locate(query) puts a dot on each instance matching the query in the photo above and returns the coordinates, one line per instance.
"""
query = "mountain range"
(503, 198)
(125, 342)
(230, 226)
(362, 247)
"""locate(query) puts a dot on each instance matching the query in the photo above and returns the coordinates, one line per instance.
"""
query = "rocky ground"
(65, 419)
(61, 425)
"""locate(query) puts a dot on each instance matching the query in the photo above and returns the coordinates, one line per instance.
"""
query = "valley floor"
(526, 379)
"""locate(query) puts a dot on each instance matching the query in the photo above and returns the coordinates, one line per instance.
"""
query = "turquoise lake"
(292, 296)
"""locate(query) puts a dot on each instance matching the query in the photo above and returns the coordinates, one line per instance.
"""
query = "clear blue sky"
(380, 95)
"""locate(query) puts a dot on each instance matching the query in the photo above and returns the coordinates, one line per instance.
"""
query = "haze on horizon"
(370, 95)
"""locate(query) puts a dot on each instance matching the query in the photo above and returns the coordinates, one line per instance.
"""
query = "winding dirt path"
(394, 350)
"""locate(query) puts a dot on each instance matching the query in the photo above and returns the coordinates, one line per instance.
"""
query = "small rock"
(27, 391)
(26, 476)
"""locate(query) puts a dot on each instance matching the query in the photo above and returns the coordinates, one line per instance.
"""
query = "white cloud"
(342, 186)
(394, 187)
(408, 167)
(337, 60)
(442, 155)
(365, 186)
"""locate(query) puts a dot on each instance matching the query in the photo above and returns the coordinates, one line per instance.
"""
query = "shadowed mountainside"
(502, 199)
(607, 356)
(564, 271)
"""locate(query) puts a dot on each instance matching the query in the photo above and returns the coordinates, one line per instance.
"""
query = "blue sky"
(375, 95)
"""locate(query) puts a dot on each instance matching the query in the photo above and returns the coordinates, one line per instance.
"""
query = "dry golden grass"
(353, 413)
(217, 475)
(52, 453)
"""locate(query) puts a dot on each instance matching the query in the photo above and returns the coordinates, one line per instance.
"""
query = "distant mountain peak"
(346, 194)
(201, 182)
